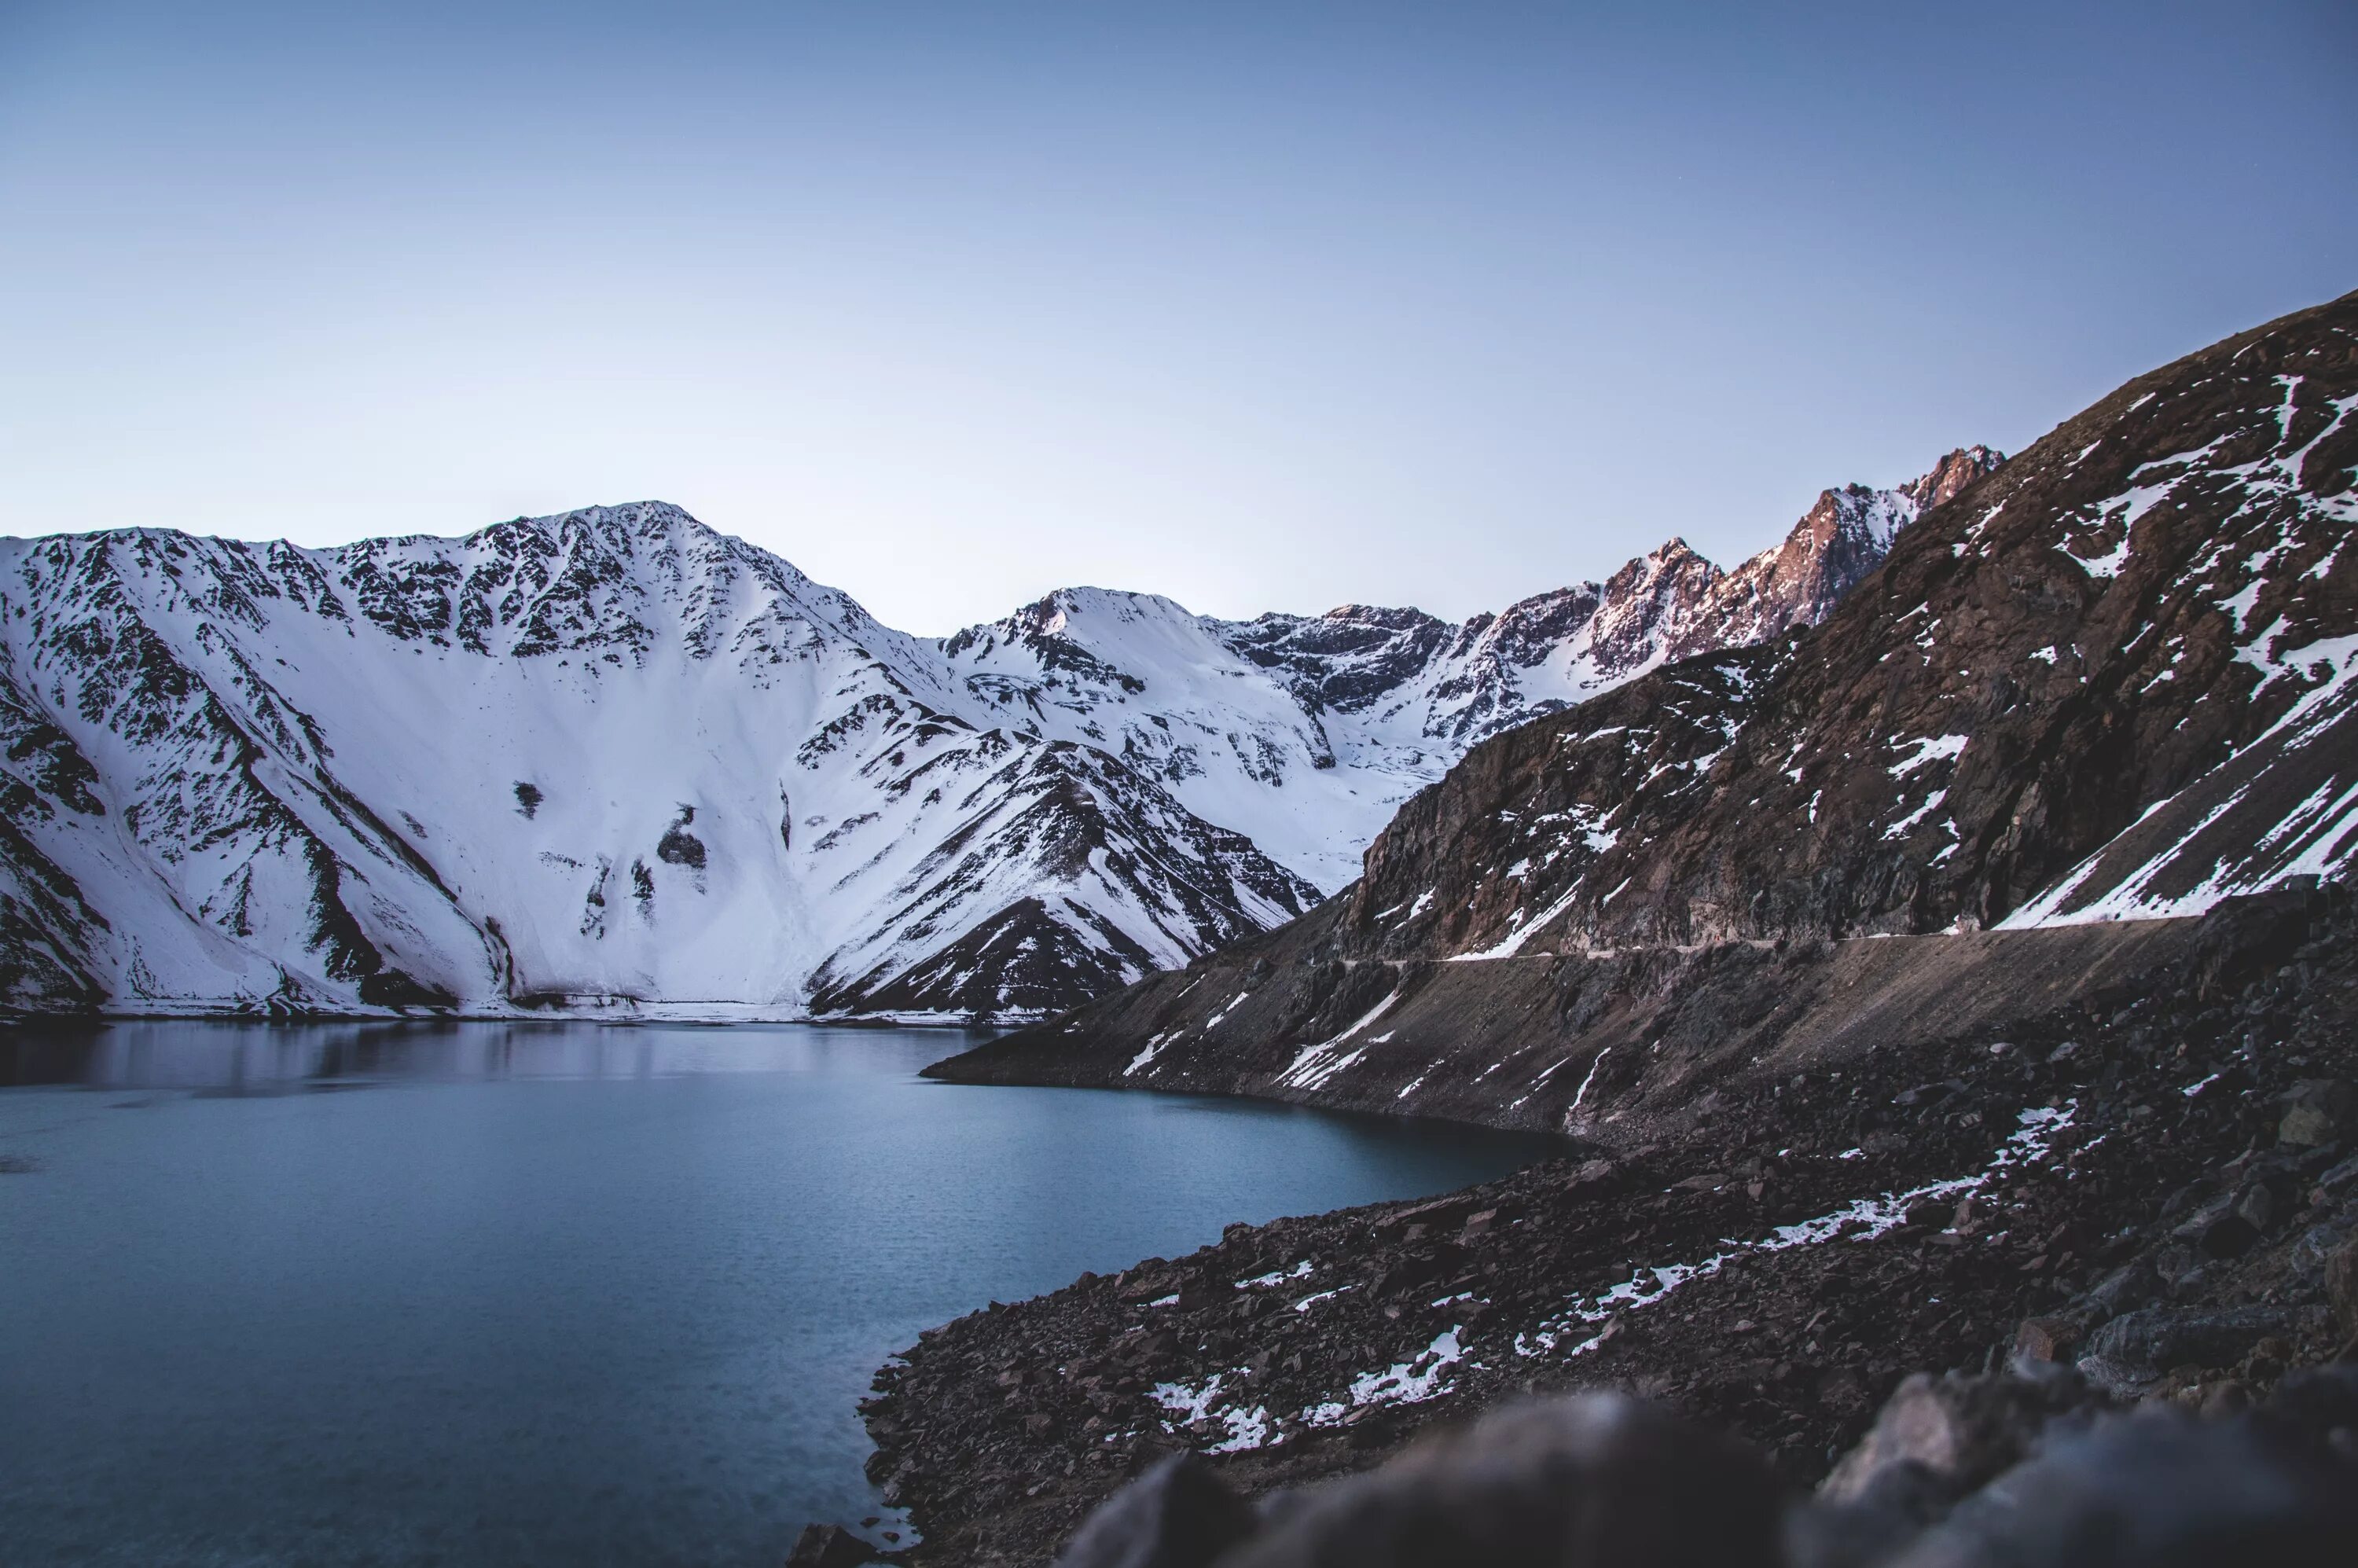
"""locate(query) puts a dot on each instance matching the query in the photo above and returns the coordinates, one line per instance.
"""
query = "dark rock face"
(1019, 960)
(50, 934)
(678, 847)
(1347, 658)
(1843, 538)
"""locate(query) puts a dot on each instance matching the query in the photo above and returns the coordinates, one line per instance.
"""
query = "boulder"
(2339, 1183)
(2131, 1354)
(2342, 1285)
(1434, 1215)
(2313, 1251)
(1959, 1430)
(1598, 1479)
(2157, 1490)
(1597, 1176)
(829, 1546)
(2258, 1205)
(2130, 1286)
(2050, 1339)
(2218, 1229)
(2318, 1112)
(1149, 1280)
(1178, 1515)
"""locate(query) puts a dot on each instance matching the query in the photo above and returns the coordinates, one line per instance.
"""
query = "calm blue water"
(549, 1293)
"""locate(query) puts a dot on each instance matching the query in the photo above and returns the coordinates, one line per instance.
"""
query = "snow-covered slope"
(616, 760)
(612, 758)
(1306, 733)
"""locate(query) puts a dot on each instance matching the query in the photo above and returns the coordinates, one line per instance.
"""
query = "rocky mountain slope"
(2113, 680)
(615, 761)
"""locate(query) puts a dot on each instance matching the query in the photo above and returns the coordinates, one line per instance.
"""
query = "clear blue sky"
(1257, 305)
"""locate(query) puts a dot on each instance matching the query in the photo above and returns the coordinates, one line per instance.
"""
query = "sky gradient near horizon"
(1271, 305)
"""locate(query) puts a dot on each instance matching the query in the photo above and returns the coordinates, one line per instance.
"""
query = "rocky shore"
(2156, 1190)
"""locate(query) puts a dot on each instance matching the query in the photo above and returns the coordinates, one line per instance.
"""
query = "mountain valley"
(616, 764)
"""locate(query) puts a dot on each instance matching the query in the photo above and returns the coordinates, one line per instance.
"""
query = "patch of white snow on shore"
(1402, 1383)
(1861, 1219)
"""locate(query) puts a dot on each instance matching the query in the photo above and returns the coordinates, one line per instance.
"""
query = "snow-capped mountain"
(608, 758)
(1306, 733)
(615, 760)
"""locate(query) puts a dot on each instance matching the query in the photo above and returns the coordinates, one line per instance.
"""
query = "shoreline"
(1774, 1269)
(1615, 1048)
(618, 1019)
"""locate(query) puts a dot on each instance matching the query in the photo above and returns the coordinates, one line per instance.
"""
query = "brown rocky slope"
(2112, 679)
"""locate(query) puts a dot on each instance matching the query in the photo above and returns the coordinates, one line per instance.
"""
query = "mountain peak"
(620, 524)
(1951, 474)
(1083, 599)
(1392, 618)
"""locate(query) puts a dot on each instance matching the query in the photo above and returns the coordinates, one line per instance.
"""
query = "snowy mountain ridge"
(614, 760)
(1359, 707)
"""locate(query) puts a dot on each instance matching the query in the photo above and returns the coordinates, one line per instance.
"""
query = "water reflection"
(268, 1058)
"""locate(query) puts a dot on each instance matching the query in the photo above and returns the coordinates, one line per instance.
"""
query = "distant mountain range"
(614, 763)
